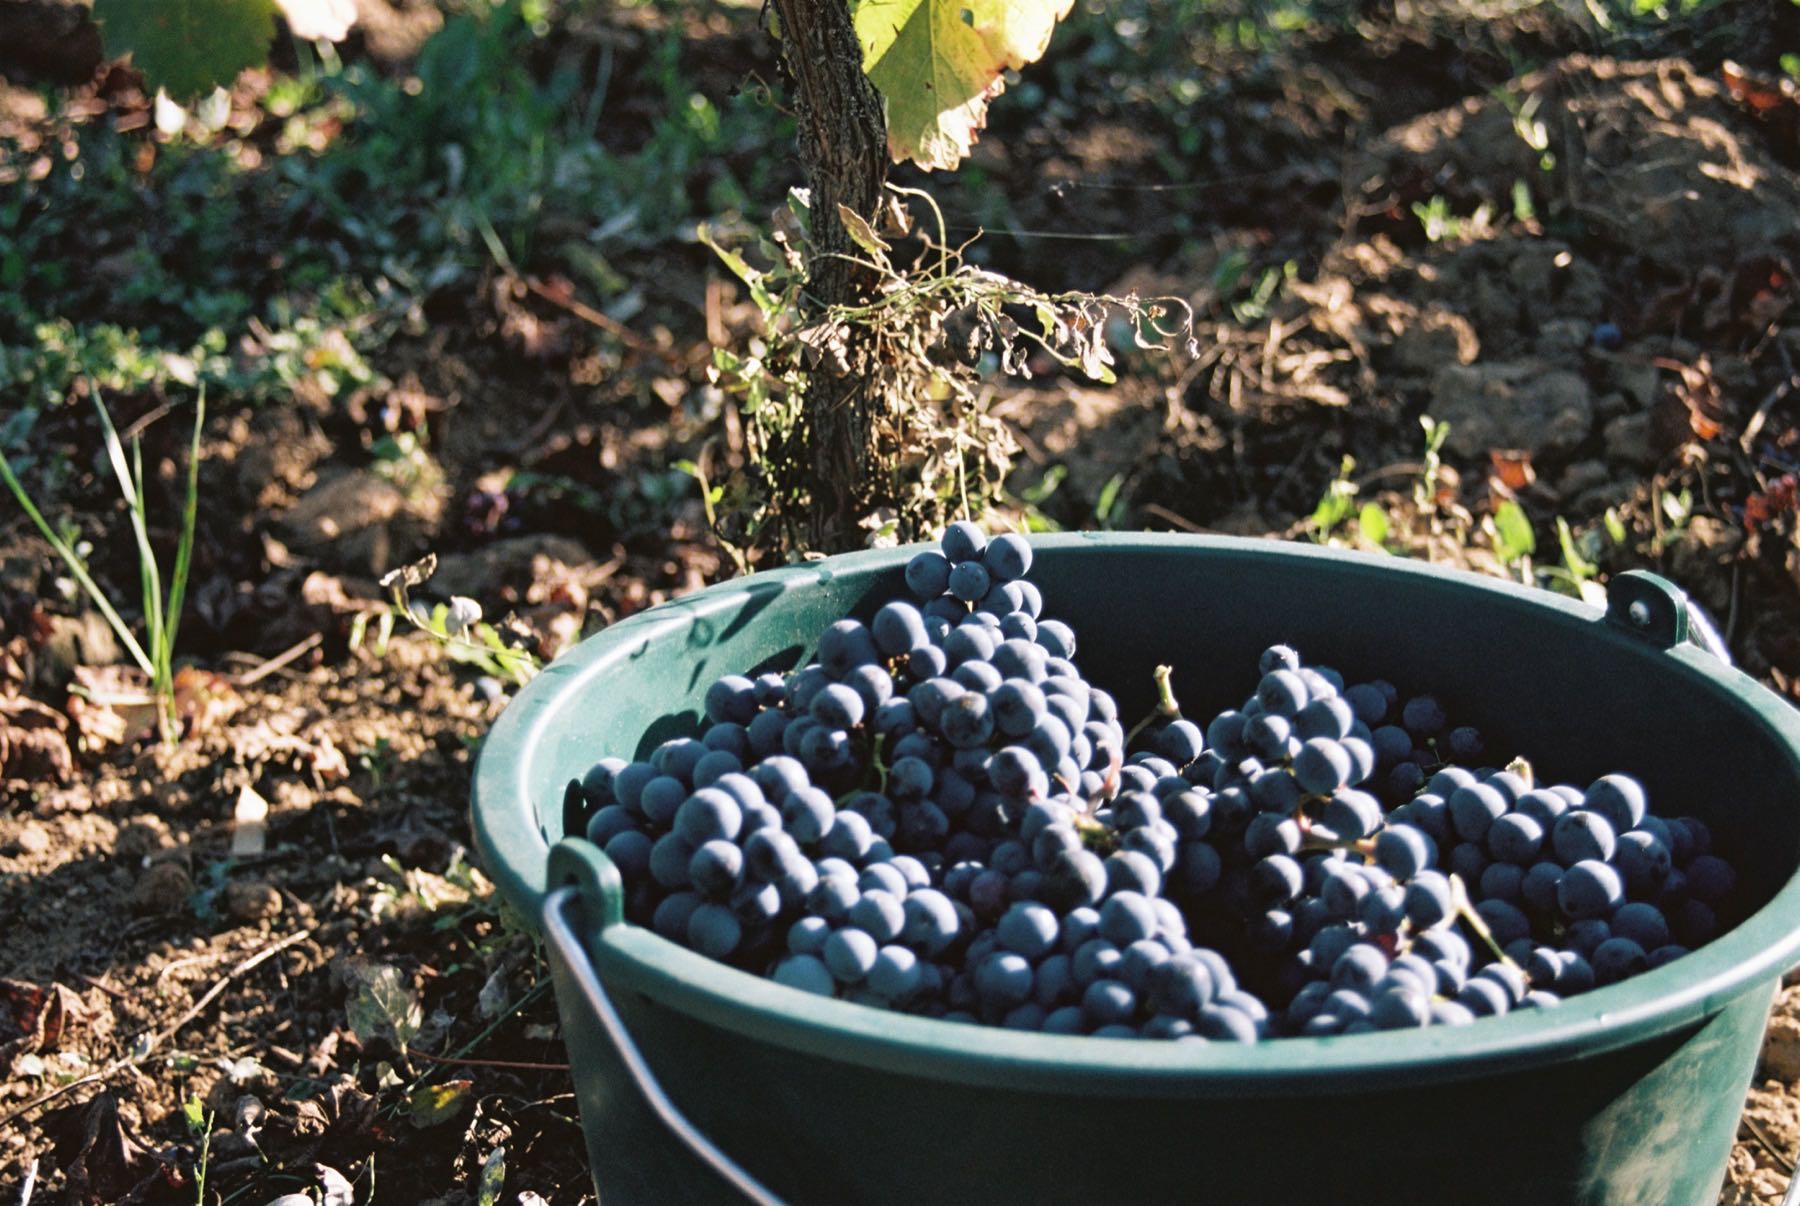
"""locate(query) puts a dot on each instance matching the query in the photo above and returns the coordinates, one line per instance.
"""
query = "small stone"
(83, 640)
(163, 888)
(1561, 337)
(251, 900)
(32, 839)
(1581, 477)
(143, 837)
(356, 522)
(1639, 380)
(1628, 441)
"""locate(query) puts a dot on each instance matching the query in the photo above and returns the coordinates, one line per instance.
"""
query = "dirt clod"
(143, 838)
(32, 838)
(1781, 1045)
(162, 888)
(356, 522)
(252, 900)
(1512, 404)
(34, 742)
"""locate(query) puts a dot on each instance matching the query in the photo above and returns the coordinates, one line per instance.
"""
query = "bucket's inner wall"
(1576, 696)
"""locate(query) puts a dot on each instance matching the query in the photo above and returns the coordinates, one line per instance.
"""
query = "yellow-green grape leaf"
(493, 1178)
(432, 1105)
(939, 62)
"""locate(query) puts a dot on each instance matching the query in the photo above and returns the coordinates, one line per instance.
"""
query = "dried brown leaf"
(1513, 467)
(415, 574)
(33, 1016)
(101, 1159)
(338, 1127)
(34, 742)
(112, 706)
(381, 1006)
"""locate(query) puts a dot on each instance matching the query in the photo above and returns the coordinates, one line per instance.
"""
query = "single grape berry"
(1180, 741)
(1423, 716)
(963, 541)
(928, 574)
(969, 581)
(1323, 765)
(1618, 798)
(1007, 557)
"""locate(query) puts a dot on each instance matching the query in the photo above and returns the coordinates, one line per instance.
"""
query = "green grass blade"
(184, 551)
(129, 486)
(79, 571)
(115, 450)
(149, 577)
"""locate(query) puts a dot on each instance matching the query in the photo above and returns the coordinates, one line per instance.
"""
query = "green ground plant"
(940, 324)
(266, 271)
(500, 650)
(161, 610)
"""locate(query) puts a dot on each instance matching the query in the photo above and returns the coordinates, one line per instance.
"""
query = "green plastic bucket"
(698, 1082)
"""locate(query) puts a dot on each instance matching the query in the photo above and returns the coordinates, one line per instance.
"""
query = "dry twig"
(147, 1047)
(286, 657)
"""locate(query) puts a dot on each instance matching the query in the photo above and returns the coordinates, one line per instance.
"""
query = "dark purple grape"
(1590, 890)
(850, 954)
(1323, 765)
(1007, 557)
(969, 581)
(1618, 959)
(1710, 878)
(966, 721)
(1282, 692)
(963, 541)
(1180, 741)
(1618, 798)
(1463, 744)
(928, 574)
(1423, 717)
(714, 931)
(1580, 835)
(1056, 637)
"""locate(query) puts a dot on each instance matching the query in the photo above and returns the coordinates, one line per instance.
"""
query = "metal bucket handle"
(559, 905)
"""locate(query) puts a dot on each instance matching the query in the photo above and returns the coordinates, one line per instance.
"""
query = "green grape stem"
(1166, 706)
(878, 763)
(1459, 895)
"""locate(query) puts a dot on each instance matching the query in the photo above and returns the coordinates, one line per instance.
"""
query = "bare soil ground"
(343, 996)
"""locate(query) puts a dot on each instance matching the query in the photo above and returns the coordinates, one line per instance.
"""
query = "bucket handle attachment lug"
(568, 900)
(1655, 610)
(578, 863)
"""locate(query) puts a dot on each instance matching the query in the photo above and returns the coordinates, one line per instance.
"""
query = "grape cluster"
(940, 814)
(1473, 893)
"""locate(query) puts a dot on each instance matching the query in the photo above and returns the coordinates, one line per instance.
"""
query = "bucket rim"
(1683, 993)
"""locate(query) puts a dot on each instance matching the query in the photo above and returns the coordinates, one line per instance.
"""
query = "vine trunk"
(843, 152)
